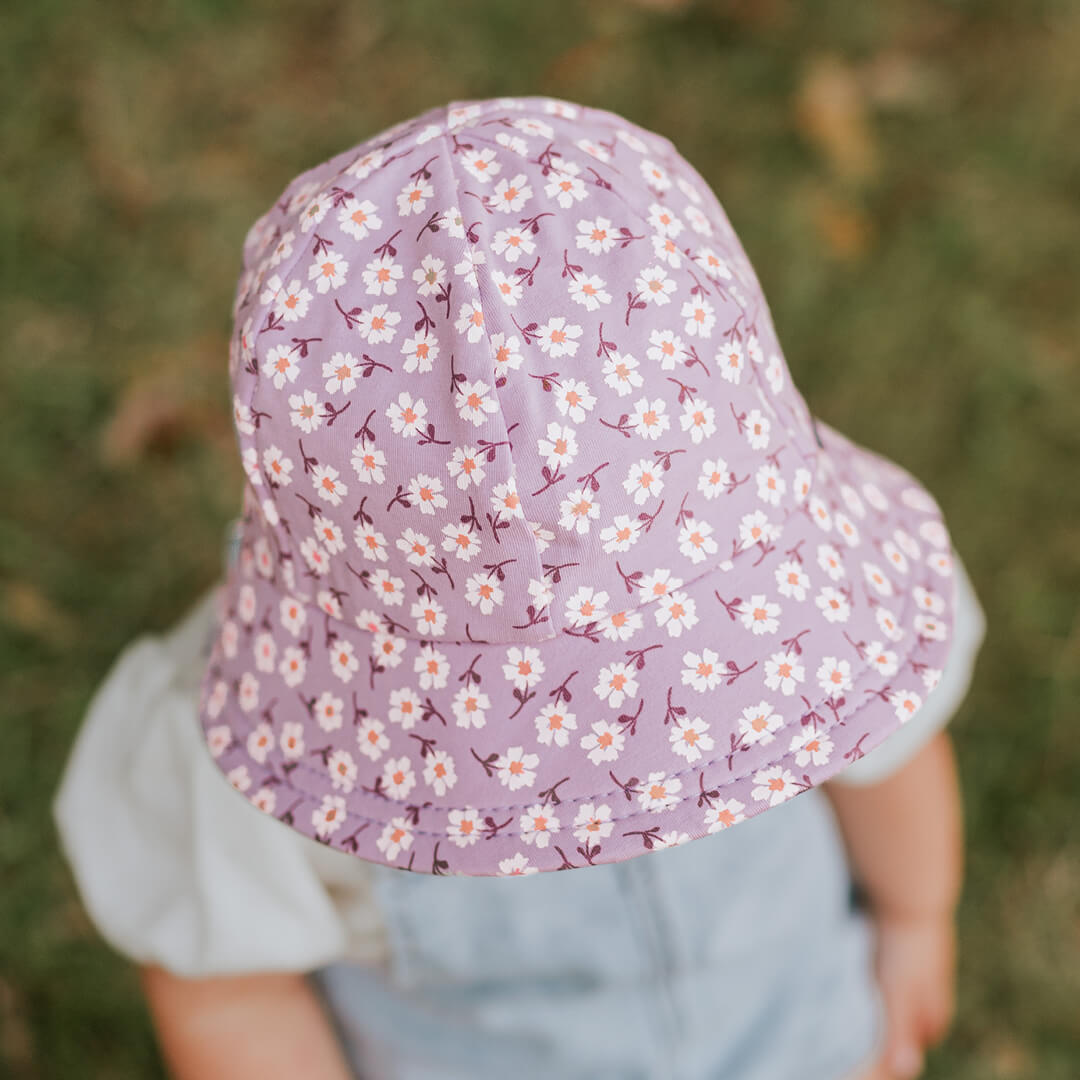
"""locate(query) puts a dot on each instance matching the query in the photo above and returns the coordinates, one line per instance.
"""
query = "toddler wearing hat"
(543, 564)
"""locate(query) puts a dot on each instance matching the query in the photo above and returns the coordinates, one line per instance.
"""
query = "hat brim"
(710, 729)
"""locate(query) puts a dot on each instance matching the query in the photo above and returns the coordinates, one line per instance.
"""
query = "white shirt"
(175, 869)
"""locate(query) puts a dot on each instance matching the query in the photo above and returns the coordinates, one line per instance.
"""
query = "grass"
(904, 178)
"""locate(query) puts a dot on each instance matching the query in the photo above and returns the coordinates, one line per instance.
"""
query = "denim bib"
(739, 956)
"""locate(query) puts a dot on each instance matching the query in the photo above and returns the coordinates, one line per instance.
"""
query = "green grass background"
(905, 177)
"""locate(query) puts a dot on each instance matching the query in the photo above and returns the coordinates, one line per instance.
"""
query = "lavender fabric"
(544, 561)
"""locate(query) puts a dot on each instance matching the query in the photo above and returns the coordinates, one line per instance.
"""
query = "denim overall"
(738, 956)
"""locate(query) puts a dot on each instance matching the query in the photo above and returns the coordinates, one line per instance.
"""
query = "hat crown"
(503, 372)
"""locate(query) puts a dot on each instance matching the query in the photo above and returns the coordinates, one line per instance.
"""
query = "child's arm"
(242, 1027)
(904, 837)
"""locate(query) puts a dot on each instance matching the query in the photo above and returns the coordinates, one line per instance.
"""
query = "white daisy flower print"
(784, 672)
(425, 493)
(358, 219)
(565, 188)
(327, 818)
(371, 738)
(689, 737)
(506, 500)
(644, 481)
(429, 618)
(604, 742)
(760, 616)
(696, 541)
(649, 418)
(553, 725)
(277, 466)
(930, 627)
(621, 625)
(413, 197)
(559, 447)
(615, 684)
(756, 528)
(466, 467)
(887, 623)
(758, 724)
(800, 488)
(397, 835)
(757, 430)
(596, 236)
(587, 605)
(281, 366)
(655, 286)
(592, 823)
(833, 604)
(834, 677)
(470, 707)
(506, 353)
(578, 510)
(659, 792)
(509, 289)
(260, 742)
(884, 661)
(343, 661)
(774, 785)
(371, 542)
(513, 242)
(329, 271)
(341, 373)
(432, 667)
(792, 581)
(325, 480)
(699, 420)
(664, 221)
(378, 324)
(387, 649)
(304, 411)
(461, 542)
(516, 769)
(771, 486)
(291, 741)
(621, 534)
(774, 374)
(482, 164)
(511, 195)
(810, 748)
(829, 560)
(328, 711)
(439, 772)
(558, 338)
(483, 591)
(676, 613)
(724, 814)
(714, 478)
(470, 321)
(523, 667)
(382, 275)
(877, 579)
(702, 671)
(588, 290)
(463, 827)
(342, 769)
(700, 318)
(906, 704)
(406, 416)
(666, 348)
(621, 373)
(405, 707)
(537, 825)
(290, 301)
(574, 399)
(469, 267)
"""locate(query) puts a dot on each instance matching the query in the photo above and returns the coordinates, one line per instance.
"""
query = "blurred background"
(905, 178)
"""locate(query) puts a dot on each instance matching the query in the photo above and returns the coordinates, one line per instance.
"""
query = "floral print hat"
(543, 560)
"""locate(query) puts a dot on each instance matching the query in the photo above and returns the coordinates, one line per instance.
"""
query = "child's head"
(545, 561)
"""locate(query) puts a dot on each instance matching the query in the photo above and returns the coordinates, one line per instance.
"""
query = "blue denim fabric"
(738, 956)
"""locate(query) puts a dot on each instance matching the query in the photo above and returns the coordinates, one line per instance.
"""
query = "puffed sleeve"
(173, 866)
(941, 702)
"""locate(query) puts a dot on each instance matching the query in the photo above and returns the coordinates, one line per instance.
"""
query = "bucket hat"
(544, 562)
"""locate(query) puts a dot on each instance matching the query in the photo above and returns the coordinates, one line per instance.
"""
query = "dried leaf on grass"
(831, 111)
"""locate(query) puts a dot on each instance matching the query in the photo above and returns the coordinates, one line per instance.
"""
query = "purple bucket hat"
(544, 561)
